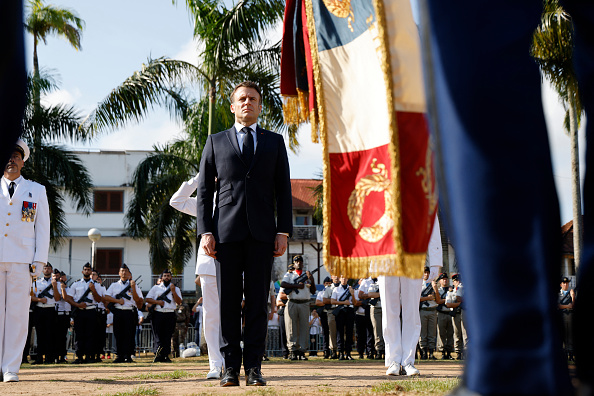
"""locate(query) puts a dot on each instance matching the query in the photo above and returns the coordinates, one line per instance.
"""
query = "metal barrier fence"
(144, 341)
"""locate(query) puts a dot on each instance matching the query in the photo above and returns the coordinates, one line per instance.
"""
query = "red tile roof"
(302, 190)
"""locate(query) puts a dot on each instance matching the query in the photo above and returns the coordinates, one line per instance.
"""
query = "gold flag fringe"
(293, 111)
(387, 265)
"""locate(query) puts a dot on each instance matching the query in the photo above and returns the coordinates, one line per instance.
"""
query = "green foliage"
(47, 20)
(429, 386)
(59, 170)
(552, 48)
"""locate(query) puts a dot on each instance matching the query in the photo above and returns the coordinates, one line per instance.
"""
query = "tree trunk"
(211, 99)
(575, 185)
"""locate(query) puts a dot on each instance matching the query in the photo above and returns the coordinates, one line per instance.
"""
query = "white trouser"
(211, 319)
(15, 285)
(400, 345)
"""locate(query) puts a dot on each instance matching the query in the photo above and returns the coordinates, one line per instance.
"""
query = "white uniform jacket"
(24, 222)
(157, 290)
(116, 287)
(184, 202)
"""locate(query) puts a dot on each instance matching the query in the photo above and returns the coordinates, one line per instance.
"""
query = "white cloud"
(307, 163)
(62, 96)
(189, 52)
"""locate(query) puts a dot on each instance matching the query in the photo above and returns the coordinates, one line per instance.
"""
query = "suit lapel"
(232, 137)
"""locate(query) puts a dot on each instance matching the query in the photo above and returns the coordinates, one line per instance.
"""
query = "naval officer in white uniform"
(206, 270)
(24, 244)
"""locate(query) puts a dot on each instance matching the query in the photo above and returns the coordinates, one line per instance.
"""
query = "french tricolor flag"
(363, 74)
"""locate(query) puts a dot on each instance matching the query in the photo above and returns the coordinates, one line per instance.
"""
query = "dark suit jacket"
(247, 197)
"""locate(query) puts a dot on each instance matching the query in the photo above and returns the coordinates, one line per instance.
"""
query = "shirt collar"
(239, 127)
(16, 181)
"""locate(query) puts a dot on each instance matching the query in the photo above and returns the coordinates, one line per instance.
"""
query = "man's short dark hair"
(247, 84)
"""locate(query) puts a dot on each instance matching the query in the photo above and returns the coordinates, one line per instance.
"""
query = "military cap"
(443, 275)
(56, 271)
(426, 269)
(327, 279)
(565, 280)
(456, 277)
(22, 148)
(87, 265)
(291, 267)
(298, 258)
(124, 266)
(48, 264)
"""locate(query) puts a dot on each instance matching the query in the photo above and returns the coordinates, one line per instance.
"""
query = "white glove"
(433, 273)
(36, 269)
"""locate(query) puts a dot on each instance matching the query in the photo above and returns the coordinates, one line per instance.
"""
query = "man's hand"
(161, 303)
(132, 283)
(92, 286)
(43, 300)
(82, 305)
(54, 282)
(280, 245)
(208, 244)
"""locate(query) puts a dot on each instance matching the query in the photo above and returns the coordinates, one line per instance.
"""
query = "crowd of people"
(102, 319)
(349, 314)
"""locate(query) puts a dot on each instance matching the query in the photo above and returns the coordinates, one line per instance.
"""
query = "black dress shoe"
(37, 361)
(265, 358)
(341, 356)
(347, 356)
(334, 356)
(254, 377)
(78, 361)
(119, 359)
(166, 359)
(230, 377)
(128, 359)
(158, 359)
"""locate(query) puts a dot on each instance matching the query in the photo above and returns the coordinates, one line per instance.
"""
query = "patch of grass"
(177, 374)
(262, 391)
(324, 388)
(139, 391)
(418, 385)
(56, 380)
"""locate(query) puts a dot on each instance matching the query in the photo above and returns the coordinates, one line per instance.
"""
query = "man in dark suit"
(248, 169)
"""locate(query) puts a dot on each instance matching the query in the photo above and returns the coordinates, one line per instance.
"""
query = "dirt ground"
(315, 376)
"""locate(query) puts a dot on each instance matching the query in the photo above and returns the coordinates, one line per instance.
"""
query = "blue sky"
(120, 36)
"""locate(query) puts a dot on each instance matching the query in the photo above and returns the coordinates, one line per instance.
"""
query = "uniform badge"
(28, 211)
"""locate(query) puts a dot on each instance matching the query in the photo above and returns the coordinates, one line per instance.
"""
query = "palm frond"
(157, 83)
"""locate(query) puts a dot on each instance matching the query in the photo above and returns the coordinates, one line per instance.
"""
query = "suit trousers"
(162, 325)
(283, 333)
(15, 284)
(244, 270)
(100, 331)
(45, 328)
(297, 324)
(495, 168)
(445, 329)
(399, 292)
(211, 317)
(124, 330)
(376, 320)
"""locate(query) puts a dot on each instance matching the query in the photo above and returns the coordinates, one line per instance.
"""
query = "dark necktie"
(248, 146)
(11, 189)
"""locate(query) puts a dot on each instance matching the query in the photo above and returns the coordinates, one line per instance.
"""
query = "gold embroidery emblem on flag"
(378, 182)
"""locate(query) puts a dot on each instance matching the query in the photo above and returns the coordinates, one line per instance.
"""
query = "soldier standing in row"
(46, 296)
(297, 311)
(324, 317)
(164, 297)
(124, 297)
(83, 297)
(457, 320)
(329, 308)
(342, 297)
(444, 317)
(375, 313)
(566, 298)
(428, 315)
(63, 321)
(101, 317)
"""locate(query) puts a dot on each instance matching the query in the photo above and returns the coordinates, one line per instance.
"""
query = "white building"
(111, 172)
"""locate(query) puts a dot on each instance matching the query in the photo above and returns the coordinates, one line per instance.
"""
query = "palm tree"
(552, 48)
(234, 52)
(47, 20)
(59, 170)
(170, 233)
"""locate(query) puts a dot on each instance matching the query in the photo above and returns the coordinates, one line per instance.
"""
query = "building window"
(109, 261)
(301, 220)
(108, 201)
